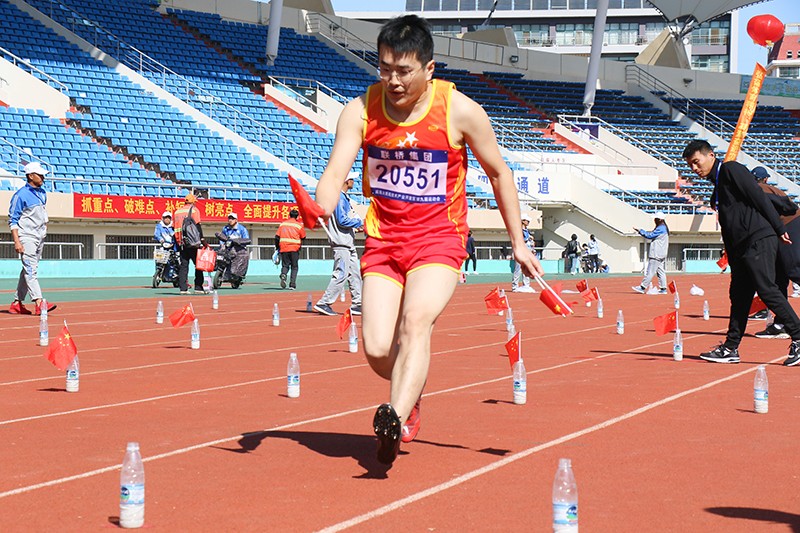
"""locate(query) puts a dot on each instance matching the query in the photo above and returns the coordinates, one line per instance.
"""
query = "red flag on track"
(591, 295)
(665, 323)
(310, 210)
(63, 351)
(582, 285)
(184, 315)
(756, 306)
(344, 323)
(722, 262)
(513, 349)
(494, 302)
(673, 287)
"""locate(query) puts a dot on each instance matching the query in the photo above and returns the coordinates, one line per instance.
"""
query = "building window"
(789, 72)
(621, 33)
(430, 5)
(467, 5)
(574, 34)
(714, 33)
(413, 5)
(788, 54)
(522, 5)
(532, 34)
(717, 63)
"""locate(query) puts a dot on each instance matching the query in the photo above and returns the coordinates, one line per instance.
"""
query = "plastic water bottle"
(131, 488)
(677, 301)
(214, 299)
(309, 305)
(276, 315)
(705, 310)
(159, 312)
(352, 341)
(761, 390)
(509, 320)
(44, 332)
(74, 375)
(502, 295)
(600, 308)
(520, 383)
(293, 376)
(512, 332)
(341, 297)
(677, 346)
(565, 499)
(620, 323)
(206, 282)
(195, 335)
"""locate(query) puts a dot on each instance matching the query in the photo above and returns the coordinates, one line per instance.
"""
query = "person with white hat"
(27, 219)
(526, 281)
(164, 232)
(657, 254)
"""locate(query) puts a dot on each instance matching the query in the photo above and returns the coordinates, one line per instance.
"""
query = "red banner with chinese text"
(147, 208)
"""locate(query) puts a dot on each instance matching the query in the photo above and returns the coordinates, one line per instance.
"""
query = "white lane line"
(432, 491)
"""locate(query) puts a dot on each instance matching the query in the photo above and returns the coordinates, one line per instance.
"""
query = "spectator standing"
(471, 256)
(593, 253)
(288, 241)
(518, 275)
(27, 219)
(188, 251)
(656, 255)
(342, 226)
(164, 232)
(572, 252)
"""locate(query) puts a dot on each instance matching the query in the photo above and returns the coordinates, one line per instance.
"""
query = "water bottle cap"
(293, 355)
(565, 463)
(133, 447)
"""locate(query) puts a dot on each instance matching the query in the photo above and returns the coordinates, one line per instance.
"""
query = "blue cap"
(760, 173)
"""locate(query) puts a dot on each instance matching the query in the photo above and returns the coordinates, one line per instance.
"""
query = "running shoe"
(283, 281)
(386, 425)
(411, 426)
(355, 310)
(662, 291)
(773, 331)
(794, 354)
(723, 354)
(18, 309)
(38, 310)
(639, 289)
(759, 315)
(325, 309)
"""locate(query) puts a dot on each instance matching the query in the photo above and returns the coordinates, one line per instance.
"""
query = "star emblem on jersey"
(409, 142)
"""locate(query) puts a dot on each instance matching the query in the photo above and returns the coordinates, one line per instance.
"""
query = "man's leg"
(380, 305)
(760, 261)
(183, 271)
(295, 259)
(741, 292)
(652, 267)
(198, 274)
(29, 276)
(354, 276)
(662, 274)
(341, 257)
(516, 277)
(286, 260)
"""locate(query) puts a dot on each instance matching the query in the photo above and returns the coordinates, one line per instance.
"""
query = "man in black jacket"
(751, 230)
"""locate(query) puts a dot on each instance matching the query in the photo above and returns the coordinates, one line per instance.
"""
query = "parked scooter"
(233, 259)
(166, 258)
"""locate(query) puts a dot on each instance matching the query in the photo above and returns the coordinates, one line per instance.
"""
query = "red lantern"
(765, 30)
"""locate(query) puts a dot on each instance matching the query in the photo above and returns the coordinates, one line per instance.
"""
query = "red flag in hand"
(673, 287)
(344, 323)
(756, 306)
(310, 210)
(495, 303)
(513, 348)
(591, 295)
(666, 323)
(182, 316)
(722, 262)
(582, 285)
(551, 298)
(63, 351)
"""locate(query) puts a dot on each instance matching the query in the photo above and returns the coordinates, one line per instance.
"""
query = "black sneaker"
(723, 354)
(325, 309)
(773, 331)
(794, 354)
(355, 310)
(283, 282)
(759, 315)
(387, 427)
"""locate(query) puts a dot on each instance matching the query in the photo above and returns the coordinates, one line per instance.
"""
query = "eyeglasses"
(402, 75)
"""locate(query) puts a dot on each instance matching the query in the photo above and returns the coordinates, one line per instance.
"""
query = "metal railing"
(575, 122)
(60, 245)
(138, 250)
(191, 93)
(18, 157)
(33, 70)
(332, 31)
(290, 83)
(709, 120)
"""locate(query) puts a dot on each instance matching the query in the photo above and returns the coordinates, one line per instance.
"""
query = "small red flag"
(310, 210)
(344, 323)
(513, 348)
(63, 351)
(495, 303)
(673, 287)
(182, 316)
(722, 262)
(591, 295)
(582, 285)
(665, 323)
(553, 302)
(756, 306)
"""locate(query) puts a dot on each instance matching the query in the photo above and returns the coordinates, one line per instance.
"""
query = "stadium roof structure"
(690, 13)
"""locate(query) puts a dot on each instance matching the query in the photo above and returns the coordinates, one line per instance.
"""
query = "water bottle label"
(131, 494)
(293, 380)
(72, 374)
(565, 514)
(520, 386)
(761, 395)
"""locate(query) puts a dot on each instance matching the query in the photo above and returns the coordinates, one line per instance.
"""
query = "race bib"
(408, 174)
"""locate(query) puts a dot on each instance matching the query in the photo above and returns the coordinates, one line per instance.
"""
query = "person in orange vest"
(288, 240)
(188, 250)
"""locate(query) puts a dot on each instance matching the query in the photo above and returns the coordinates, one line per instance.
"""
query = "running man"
(414, 131)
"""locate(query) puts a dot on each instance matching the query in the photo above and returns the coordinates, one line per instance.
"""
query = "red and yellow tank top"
(415, 176)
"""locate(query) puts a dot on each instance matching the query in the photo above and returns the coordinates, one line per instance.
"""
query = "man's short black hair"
(408, 34)
(294, 213)
(697, 145)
